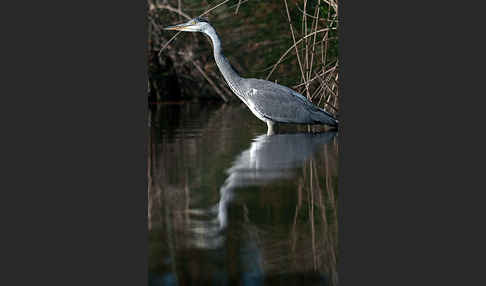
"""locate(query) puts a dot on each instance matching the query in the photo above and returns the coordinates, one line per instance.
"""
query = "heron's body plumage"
(281, 104)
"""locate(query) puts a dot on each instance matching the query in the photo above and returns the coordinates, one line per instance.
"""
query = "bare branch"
(215, 87)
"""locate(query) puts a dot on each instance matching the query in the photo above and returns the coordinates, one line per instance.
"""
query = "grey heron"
(270, 102)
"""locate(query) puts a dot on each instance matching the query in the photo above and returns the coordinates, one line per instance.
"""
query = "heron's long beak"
(180, 27)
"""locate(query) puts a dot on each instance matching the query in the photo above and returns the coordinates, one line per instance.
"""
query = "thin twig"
(238, 7)
(168, 42)
(218, 91)
(213, 8)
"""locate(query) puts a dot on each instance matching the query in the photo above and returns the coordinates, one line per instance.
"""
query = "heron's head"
(193, 25)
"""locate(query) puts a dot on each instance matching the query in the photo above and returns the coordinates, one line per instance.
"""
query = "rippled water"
(229, 205)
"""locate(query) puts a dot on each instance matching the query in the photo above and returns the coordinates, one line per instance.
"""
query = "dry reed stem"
(324, 57)
(330, 89)
(302, 11)
(314, 78)
(314, 42)
(306, 50)
(316, 92)
(296, 50)
(289, 49)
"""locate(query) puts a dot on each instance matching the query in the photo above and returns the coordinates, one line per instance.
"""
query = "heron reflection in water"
(270, 102)
(269, 158)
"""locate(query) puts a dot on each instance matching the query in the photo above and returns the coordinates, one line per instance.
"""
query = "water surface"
(229, 205)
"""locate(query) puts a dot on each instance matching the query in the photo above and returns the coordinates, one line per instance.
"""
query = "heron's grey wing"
(277, 102)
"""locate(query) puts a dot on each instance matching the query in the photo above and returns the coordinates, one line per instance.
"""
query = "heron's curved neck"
(229, 74)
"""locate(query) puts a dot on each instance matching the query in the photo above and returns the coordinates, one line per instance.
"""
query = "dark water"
(229, 205)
